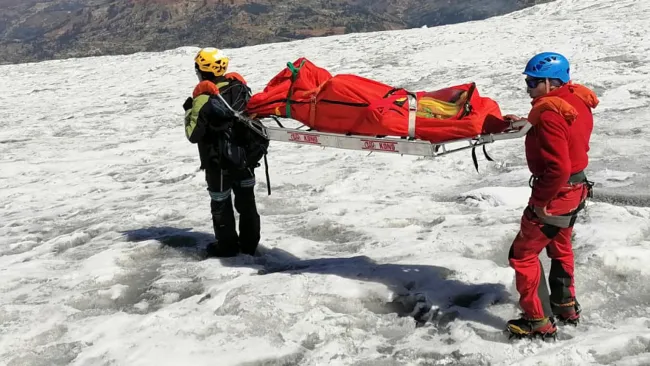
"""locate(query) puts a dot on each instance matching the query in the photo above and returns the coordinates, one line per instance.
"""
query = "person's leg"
(560, 278)
(223, 218)
(249, 218)
(530, 279)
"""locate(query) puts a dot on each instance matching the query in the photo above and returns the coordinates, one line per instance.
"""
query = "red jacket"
(558, 142)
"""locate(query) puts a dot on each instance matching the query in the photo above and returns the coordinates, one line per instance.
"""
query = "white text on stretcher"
(303, 137)
(379, 145)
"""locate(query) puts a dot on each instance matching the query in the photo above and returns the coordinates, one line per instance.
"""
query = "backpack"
(242, 142)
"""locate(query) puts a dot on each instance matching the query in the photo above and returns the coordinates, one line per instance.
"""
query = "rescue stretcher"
(402, 145)
(352, 112)
(390, 144)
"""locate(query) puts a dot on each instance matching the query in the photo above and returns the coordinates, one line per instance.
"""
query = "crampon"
(547, 337)
(523, 328)
(568, 313)
(570, 321)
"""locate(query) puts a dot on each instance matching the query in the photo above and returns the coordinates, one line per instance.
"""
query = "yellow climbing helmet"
(211, 60)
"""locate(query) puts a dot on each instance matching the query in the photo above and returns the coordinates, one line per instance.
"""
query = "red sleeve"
(553, 140)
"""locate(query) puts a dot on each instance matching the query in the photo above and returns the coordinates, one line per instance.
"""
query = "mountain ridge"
(34, 31)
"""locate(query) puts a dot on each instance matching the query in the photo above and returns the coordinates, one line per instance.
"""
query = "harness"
(568, 219)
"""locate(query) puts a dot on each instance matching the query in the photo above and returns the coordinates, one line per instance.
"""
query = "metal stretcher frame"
(389, 144)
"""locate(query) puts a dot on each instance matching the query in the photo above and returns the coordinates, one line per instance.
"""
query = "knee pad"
(220, 196)
(247, 183)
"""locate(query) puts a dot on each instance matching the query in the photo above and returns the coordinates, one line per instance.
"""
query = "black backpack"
(242, 142)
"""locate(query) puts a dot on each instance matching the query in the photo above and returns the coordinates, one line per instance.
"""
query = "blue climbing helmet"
(550, 65)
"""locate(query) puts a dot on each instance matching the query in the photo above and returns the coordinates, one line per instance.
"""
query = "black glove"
(188, 103)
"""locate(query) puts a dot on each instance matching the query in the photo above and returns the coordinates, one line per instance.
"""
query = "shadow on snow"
(426, 293)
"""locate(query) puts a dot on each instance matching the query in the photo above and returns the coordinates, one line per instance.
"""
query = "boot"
(567, 312)
(221, 251)
(527, 327)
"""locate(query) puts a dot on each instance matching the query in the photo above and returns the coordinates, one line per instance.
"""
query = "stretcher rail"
(390, 144)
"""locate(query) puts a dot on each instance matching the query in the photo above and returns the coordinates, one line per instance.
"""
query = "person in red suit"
(557, 149)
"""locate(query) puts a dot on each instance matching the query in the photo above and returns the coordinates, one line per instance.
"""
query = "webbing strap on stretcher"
(413, 109)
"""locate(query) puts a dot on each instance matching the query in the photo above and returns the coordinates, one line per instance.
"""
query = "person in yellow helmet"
(229, 167)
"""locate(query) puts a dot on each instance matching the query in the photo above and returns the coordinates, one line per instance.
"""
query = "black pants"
(242, 185)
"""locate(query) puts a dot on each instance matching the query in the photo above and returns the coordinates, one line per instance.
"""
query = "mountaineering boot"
(221, 251)
(567, 312)
(527, 328)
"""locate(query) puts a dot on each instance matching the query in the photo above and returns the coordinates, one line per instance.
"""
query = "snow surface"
(104, 213)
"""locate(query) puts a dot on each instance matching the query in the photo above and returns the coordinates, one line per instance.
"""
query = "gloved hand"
(188, 103)
(513, 118)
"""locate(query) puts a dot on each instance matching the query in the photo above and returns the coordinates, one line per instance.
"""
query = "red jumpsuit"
(556, 149)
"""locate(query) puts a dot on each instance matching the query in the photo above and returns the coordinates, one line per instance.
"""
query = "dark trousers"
(222, 185)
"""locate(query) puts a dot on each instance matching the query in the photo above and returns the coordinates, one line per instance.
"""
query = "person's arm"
(195, 125)
(554, 144)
